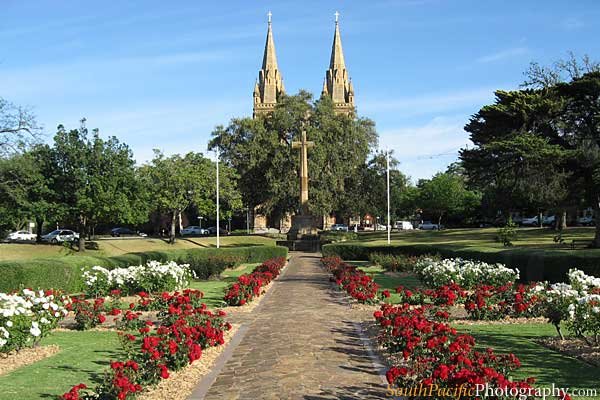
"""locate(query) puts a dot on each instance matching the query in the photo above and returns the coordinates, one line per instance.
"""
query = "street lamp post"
(218, 215)
(200, 222)
(248, 220)
(389, 226)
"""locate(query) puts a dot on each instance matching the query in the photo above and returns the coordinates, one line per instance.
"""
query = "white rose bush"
(152, 278)
(466, 273)
(27, 316)
(577, 304)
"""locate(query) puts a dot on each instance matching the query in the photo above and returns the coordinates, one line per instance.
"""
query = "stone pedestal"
(304, 227)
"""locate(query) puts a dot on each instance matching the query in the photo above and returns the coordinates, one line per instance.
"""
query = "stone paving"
(302, 343)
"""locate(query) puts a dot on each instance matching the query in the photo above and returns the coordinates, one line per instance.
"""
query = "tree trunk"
(173, 223)
(540, 219)
(39, 224)
(440, 221)
(82, 232)
(563, 220)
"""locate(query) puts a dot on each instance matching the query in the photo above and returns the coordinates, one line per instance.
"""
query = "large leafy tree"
(178, 182)
(260, 151)
(445, 195)
(95, 180)
(540, 147)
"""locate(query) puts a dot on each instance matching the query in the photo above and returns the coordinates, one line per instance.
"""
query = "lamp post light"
(389, 225)
(247, 220)
(218, 214)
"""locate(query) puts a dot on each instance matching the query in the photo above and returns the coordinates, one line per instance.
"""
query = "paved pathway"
(301, 344)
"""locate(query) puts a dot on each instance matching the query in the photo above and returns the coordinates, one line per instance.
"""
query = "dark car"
(118, 232)
(213, 231)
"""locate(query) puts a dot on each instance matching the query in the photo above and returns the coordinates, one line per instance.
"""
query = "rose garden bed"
(509, 318)
(85, 356)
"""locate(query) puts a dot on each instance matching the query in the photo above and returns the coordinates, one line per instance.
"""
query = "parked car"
(429, 226)
(60, 235)
(533, 221)
(118, 232)
(194, 230)
(404, 225)
(586, 221)
(549, 220)
(213, 231)
(339, 227)
(19, 236)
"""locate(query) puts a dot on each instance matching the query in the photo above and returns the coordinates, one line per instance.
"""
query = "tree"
(18, 128)
(178, 182)
(513, 163)
(95, 180)
(260, 151)
(445, 194)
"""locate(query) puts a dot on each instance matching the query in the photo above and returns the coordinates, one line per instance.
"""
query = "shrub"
(88, 314)
(391, 262)
(27, 316)
(535, 264)
(468, 274)
(354, 281)
(248, 286)
(153, 277)
(432, 353)
(213, 265)
(338, 236)
(508, 233)
(64, 272)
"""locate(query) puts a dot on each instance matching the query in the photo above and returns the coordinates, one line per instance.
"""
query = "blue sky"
(160, 74)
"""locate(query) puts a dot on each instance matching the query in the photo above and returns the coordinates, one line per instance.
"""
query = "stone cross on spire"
(269, 16)
(337, 15)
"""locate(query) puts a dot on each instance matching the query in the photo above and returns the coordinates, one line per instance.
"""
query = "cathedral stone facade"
(337, 84)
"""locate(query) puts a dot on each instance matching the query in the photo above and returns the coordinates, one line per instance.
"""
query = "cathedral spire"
(338, 85)
(270, 84)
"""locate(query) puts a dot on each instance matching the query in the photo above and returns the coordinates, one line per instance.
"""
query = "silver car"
(60, 235)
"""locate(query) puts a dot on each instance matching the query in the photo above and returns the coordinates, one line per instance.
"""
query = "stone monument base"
(303, 235)
(304, 227)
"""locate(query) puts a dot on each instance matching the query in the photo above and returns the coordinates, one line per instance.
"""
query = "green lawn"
(214, 289)
(546, 365)
(116, 247)
(83, 357)
(480, 238)
(385, 281)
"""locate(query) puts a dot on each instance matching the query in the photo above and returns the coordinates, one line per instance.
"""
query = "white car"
(21, 236)
(549, 220)
(60, 235)
(193, 230)
(404, 225)
(586, 221)
(429, 226)
(339, 227)
(533, 221)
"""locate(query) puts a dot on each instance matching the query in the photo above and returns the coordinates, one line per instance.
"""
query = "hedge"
(534, 264)
(65, 272)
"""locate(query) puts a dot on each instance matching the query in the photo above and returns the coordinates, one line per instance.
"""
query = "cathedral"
(337, 85)
(269, 88)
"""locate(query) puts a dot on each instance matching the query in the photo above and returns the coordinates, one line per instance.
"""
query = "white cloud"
(426, 149)
(503, 55)
(572, 23)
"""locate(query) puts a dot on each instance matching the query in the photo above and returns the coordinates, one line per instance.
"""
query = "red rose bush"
(185, 327)
(354, 281)
(249, 286)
